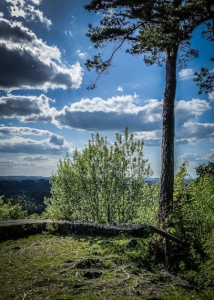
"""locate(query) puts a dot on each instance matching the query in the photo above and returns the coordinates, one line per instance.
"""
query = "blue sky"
(46, 109)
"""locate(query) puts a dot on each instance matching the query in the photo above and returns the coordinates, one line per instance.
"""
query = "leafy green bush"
(103, 183)
(193, 206)
(193, 221)
(8, 211)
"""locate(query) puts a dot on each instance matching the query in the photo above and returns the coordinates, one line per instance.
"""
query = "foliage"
(148, 208)
(204, 169)
(193, 205)
(103, 183)
(205, 79)
(151, 28)
(8, 211)
(193, 221)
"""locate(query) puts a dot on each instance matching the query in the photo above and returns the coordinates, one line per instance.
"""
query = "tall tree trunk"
(167, 147)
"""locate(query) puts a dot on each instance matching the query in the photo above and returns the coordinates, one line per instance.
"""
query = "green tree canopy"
(105, 182)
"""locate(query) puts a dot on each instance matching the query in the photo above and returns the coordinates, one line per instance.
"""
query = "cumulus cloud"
(23, 131)
(117, 112)
(151, 138)
(29, 63)
(96, 114)
(22, 8)
(22, 145)
(111, 114)
(27, 108)
(14, 141)
(193, 132)
(35, 14)
(186, 74)
(189, 110)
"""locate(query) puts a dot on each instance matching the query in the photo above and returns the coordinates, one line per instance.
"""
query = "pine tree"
(157, 29)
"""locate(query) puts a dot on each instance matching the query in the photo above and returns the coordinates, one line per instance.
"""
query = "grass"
(72, 267)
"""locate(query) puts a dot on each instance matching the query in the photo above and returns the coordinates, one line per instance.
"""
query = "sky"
(46, 109)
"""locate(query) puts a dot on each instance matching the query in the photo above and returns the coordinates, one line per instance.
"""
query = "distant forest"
(29, 192)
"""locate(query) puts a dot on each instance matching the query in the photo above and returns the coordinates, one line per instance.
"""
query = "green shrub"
(104, 183)
(8, 211)
(193, 220)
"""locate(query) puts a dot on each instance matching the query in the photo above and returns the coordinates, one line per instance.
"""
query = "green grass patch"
(72, 267)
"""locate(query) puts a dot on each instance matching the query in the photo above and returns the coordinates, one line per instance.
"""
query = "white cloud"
(189, 110)
(21, 8)
(54, 139)
(68, 33)
(151, 138)
(191, 157)
(145, 120)
(41, 66)
(114, 114)
(17, 12)
(22, 131)
(37, 2)
(27, 108)
(186, 74)
(192, 132)
(14, 141)
(195, 107)
(82, 55)
(120, 89)
(111, 114)
(198, 158)
(21, 145)
(37, 14)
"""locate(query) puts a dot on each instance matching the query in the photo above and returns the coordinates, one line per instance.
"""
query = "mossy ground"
(55, 267)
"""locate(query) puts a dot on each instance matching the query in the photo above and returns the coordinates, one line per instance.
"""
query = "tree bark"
(167, 148)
